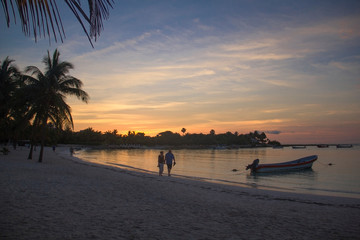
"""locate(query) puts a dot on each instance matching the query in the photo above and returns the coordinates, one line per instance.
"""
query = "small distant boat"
(219, 147)
(323, 145)
(344, 146)
(278, 147)
(299, 164)
(298, 147)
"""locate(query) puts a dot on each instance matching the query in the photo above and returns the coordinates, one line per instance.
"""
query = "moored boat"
(298, 164)
(278, 147)
(344, 146)
(323, 145)
(298, 147)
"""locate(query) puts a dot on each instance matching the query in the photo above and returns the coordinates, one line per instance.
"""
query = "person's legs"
(169, 169)
(161, 169)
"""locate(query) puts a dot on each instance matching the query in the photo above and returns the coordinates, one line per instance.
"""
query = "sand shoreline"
(66, 198)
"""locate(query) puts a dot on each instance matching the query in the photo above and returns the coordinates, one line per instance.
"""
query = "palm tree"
(43, 16)
(46, 93)
(9, 82)
(183, 130)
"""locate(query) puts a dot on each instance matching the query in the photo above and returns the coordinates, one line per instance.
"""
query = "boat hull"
(323, 146)
(298, 147)
(344, 146)
(299, 164)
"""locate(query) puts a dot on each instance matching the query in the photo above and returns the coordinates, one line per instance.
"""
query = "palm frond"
(46, 92)
(42, 17)
(34, 71)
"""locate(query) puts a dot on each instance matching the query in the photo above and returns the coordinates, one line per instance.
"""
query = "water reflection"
(294, 180)
(217, 165)
(303, 172)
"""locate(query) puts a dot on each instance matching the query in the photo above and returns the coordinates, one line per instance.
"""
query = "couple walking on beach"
(168, 159)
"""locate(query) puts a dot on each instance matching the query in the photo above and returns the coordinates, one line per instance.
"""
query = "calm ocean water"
(342, 178)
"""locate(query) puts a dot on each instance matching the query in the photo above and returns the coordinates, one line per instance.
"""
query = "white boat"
(298, 147)
(344, 146)
(299, 164)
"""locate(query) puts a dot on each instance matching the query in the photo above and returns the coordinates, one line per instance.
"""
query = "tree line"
(90, 136)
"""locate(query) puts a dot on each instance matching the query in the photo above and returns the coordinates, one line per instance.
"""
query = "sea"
(335, 173)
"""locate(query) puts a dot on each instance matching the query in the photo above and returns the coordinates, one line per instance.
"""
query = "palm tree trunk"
(43, 136)
(34, 138)
(41, 151)
(31, 150)
(32, 141)
(42, 143)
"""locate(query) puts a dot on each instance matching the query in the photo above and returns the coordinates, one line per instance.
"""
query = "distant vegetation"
(167, 138)
(132, 139)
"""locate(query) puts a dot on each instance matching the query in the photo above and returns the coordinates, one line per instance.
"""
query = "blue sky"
(289, 68)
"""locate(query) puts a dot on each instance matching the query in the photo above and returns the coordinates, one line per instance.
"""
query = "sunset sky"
(288, 68)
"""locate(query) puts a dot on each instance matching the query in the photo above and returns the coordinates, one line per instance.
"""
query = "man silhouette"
(169, 157)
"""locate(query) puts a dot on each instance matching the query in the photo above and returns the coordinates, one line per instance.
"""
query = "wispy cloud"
(289, 71)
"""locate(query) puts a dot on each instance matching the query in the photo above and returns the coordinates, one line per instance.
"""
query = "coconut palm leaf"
(42, 17)
(9, 79)
(9, 83)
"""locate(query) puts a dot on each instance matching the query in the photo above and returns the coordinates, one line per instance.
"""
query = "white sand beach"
(63, 198)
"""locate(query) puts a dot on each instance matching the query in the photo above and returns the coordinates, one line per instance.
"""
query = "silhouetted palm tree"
(46, 93)
(9, 82)
(183, 130)
(43, 16)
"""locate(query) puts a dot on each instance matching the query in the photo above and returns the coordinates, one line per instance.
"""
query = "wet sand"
(64, 198)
